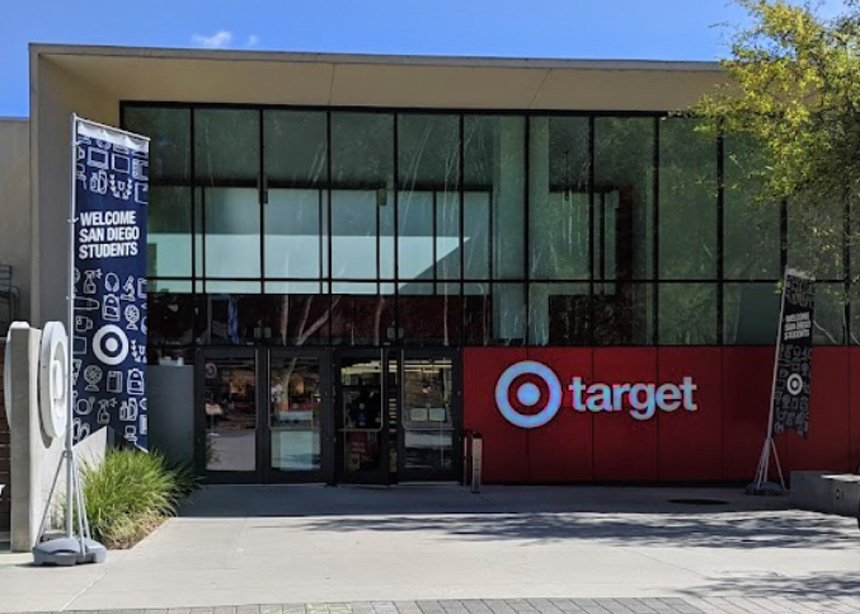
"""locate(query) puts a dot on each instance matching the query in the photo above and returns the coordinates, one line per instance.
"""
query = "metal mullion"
(378, 246)
(656, 231)
(396, 173)
(193, 182)
(330, 265)
(846, 266)
(262, 197)
(620, 113)
(721, 180)
(783, 235)
(320, 239)
(435, 232)
(590, 332)
(526, 274)
(461, 172)
(602, 226)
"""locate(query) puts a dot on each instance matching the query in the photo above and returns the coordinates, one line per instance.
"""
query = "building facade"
(354, 260)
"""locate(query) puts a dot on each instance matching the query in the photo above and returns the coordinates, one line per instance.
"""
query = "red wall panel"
(720, 441)
(828, 445)
(624, 449)
(747, 381)
(854, 405)
(690, 444)
(505, 446)
(561, 450)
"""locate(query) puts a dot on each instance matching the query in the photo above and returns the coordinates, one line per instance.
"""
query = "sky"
(581, 29)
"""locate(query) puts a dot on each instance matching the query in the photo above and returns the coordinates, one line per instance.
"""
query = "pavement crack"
(95, 581)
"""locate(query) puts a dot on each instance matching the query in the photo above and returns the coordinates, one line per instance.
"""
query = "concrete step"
(829, 493)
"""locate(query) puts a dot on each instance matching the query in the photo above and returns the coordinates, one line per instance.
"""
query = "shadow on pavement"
(797, 587)
(743, 530)
(608, 515)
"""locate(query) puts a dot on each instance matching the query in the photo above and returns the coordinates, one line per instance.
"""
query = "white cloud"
(253, 41)
(219, 40)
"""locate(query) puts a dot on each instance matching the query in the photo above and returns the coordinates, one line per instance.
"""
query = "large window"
(297, 227)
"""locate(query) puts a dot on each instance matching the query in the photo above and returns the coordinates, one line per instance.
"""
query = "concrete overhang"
(278, 78)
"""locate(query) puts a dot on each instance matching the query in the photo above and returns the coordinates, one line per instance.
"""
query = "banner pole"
(764, 459)
(71, 322)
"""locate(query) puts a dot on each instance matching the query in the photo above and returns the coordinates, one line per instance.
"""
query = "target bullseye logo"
(528, 394)
(794, 384)
(110, 345)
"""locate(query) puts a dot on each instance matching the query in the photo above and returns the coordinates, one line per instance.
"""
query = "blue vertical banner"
(111, 178)
(792, 378)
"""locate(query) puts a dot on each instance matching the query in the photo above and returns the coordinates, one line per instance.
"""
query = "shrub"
(131, 493)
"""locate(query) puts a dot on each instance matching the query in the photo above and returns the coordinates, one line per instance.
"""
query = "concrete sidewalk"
(246, 545)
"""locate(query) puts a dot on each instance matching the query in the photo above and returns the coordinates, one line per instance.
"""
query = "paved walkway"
(399, 550)
(670, 605)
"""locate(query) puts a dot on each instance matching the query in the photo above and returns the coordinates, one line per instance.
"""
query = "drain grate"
(699, 501)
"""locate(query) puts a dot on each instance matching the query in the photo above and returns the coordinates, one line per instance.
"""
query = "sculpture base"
(67, 551)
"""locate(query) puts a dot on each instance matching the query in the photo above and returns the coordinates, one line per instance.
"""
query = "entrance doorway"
(263, 415)
(375, 416)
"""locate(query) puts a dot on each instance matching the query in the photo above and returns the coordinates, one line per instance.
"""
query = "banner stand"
(71, 549)
(794, 337)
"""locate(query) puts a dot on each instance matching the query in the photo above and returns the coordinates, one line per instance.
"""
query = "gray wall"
(170, 411)
(54, 96)
(15, 208)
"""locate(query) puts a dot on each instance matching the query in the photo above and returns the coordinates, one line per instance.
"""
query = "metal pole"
(477, 458)
(71, 319)
(768, 442)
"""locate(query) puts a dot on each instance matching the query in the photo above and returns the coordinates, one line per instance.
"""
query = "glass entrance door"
(365, 382)
(430, 434)
(264, 415)
(227, 418)
(398, 416)
(298, 441)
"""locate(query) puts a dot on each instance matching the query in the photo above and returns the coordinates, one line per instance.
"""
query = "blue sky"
(604, 29)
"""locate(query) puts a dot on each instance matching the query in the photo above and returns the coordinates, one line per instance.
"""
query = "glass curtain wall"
(299, 227)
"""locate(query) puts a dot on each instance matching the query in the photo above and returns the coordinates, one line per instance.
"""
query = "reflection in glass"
(558, 198)
(428, 427)
(751, 227)
(623, 314)
(169, 232)
(227, 163)
(688, 314)
(231, 414)
(294, 239)
(430, 313)
(830, 325)
(298, 317)
(359, 316)
(624, 186)
(169, 130)
(688, 202)
(750, 313)
(494, 167)
(294, 413)
(559, 314)
(232, 237)
(362, 175)
(428, 203)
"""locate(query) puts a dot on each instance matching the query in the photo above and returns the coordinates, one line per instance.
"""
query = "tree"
(794, 88)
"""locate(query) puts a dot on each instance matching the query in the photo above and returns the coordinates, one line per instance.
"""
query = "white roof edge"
(358, 58)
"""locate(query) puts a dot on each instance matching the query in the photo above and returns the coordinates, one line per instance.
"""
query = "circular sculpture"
(53, 379)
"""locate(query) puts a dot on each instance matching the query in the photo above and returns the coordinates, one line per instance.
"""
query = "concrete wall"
(5, 471)
(15, 209)
(54, 96)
